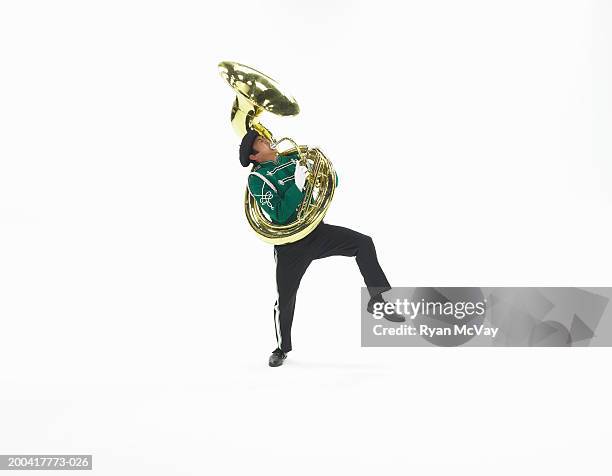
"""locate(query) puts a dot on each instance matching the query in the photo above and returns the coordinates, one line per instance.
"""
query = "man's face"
(262, 152)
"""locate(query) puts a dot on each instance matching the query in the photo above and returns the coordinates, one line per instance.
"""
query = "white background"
(472, 140)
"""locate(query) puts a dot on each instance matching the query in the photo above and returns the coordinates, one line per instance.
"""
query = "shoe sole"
(391, 320)
(371, 311)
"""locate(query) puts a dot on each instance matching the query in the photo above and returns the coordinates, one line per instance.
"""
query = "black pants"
(293, 259)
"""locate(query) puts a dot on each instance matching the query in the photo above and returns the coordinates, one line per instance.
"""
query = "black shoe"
(389, 315)
(277, 358)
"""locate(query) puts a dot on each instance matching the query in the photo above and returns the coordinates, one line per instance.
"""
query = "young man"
(277, 182)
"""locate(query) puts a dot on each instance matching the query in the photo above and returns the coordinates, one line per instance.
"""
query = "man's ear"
(252, 158)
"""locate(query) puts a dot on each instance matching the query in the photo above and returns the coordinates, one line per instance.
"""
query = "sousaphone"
(255, 93)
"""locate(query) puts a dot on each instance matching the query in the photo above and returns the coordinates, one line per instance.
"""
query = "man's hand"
(300, 176)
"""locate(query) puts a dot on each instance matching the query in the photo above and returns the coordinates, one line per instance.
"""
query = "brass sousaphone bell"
(255, 93)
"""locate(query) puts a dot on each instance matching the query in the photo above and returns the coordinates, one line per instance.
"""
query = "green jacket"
(273, 186)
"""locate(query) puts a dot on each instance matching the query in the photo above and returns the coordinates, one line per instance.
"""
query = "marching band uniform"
(272, 184)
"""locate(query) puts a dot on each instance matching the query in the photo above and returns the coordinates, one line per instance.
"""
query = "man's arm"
(279, 208)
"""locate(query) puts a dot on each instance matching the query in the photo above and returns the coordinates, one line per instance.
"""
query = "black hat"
(246, 147)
